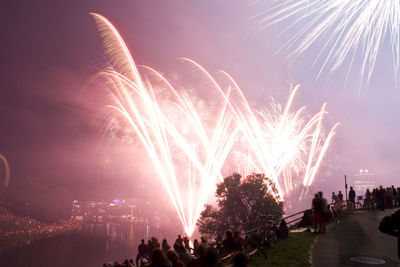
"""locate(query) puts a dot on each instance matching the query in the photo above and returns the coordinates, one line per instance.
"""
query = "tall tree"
(243, 204)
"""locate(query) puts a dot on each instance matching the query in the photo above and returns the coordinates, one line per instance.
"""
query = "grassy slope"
(293, 251)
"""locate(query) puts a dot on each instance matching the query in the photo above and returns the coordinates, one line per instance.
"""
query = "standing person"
(373, 198)
(398, 197)
(340, 196)
(156, 244)
(387, 198)
(179, 240)
(149, 249)
(186, 244)
(352, 197)
(394, 196)
(317, 213)
(142, 249)
(367, 200)
(195, 247)
(340, 205)
(335, 198)
(325, 212)
(381, 198)
(390, 199)
(165, 246)
(378, 198)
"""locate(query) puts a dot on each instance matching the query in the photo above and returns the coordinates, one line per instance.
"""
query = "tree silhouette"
(243, 204)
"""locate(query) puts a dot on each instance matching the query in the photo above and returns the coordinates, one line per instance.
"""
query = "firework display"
(283, 144)
(189, 140)
(351, 31)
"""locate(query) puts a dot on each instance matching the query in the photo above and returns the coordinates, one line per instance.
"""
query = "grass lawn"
(293, 251)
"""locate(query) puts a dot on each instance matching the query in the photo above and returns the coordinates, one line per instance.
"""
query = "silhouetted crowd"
(233, 247)
(379, 198)
(382, 198)
(206, 254)
(200, 254)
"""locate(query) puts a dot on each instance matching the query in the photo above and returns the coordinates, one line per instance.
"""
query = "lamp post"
(345, 185)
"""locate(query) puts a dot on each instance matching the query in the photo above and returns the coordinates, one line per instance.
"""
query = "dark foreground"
(356, 236)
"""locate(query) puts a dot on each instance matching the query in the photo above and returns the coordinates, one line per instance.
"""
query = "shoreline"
(16, 240)
(18, 230)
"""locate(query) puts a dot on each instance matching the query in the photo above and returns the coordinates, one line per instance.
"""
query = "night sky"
(50, 51)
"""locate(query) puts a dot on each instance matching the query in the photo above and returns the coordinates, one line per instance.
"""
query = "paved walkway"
(355, 236)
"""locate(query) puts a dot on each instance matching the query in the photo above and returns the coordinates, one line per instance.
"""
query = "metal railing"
(277, 221)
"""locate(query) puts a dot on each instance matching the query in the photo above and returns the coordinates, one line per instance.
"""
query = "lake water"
(94, 245)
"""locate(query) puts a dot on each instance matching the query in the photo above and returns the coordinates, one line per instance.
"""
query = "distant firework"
(5, 170)
(188, 141)
(283, 144)
(348, 30)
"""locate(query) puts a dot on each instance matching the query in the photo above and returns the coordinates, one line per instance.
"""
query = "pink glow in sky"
(50, 50)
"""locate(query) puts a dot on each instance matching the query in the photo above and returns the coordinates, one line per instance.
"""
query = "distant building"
(364, 179)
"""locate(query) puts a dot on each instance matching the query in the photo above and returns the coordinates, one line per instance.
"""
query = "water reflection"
(94, 245)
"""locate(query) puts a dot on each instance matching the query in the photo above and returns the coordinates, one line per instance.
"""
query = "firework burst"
(165, 120)
(188, 141)
(282, 144)
(349, 29)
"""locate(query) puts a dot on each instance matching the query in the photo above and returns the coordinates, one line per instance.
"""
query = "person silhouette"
(352, 197)
(142, 249)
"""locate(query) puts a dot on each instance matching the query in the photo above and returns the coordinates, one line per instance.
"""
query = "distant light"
(361, 170)
(366, 170)
(117, 201)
